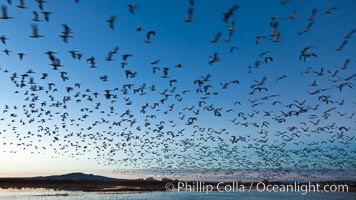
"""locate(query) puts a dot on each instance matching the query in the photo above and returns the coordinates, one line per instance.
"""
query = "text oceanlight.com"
(303, 188)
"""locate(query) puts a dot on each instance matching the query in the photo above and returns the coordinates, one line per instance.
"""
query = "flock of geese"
(169, 124)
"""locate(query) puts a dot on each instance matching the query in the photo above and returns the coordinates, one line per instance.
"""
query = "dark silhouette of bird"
(232, 49)
(292, 15)
(7, 52)
(350, 34)
(111, 22)
(191, 2)
(21, 4)
(330, 10)
(342, 45)
(66, 33)
(40, 3)
(190, 15)
(36, 17)
(259, 37)
(3, 39)
(312, 15)
(213, 59)
(35, 33)
(149, 35)
(21, 55)
(4, 14)
(344, 66)
(307, 29)
(216, 38)
(130, 74)
(230, 13)
(46, 15)
(133, 8)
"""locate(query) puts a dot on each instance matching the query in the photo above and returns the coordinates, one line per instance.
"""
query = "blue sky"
(177, 42)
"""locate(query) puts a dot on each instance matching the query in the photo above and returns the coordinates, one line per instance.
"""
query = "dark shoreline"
(127, 185)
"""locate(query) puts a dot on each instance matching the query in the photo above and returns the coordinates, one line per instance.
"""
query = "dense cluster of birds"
(165, 124)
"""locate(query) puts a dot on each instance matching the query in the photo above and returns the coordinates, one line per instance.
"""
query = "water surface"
(45, 194)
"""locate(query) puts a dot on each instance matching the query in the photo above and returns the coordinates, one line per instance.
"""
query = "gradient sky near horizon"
(176, 42)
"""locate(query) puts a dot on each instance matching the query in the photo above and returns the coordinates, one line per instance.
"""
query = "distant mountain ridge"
(77, 176)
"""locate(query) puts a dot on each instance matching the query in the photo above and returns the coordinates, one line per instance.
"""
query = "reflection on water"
(47, 194)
